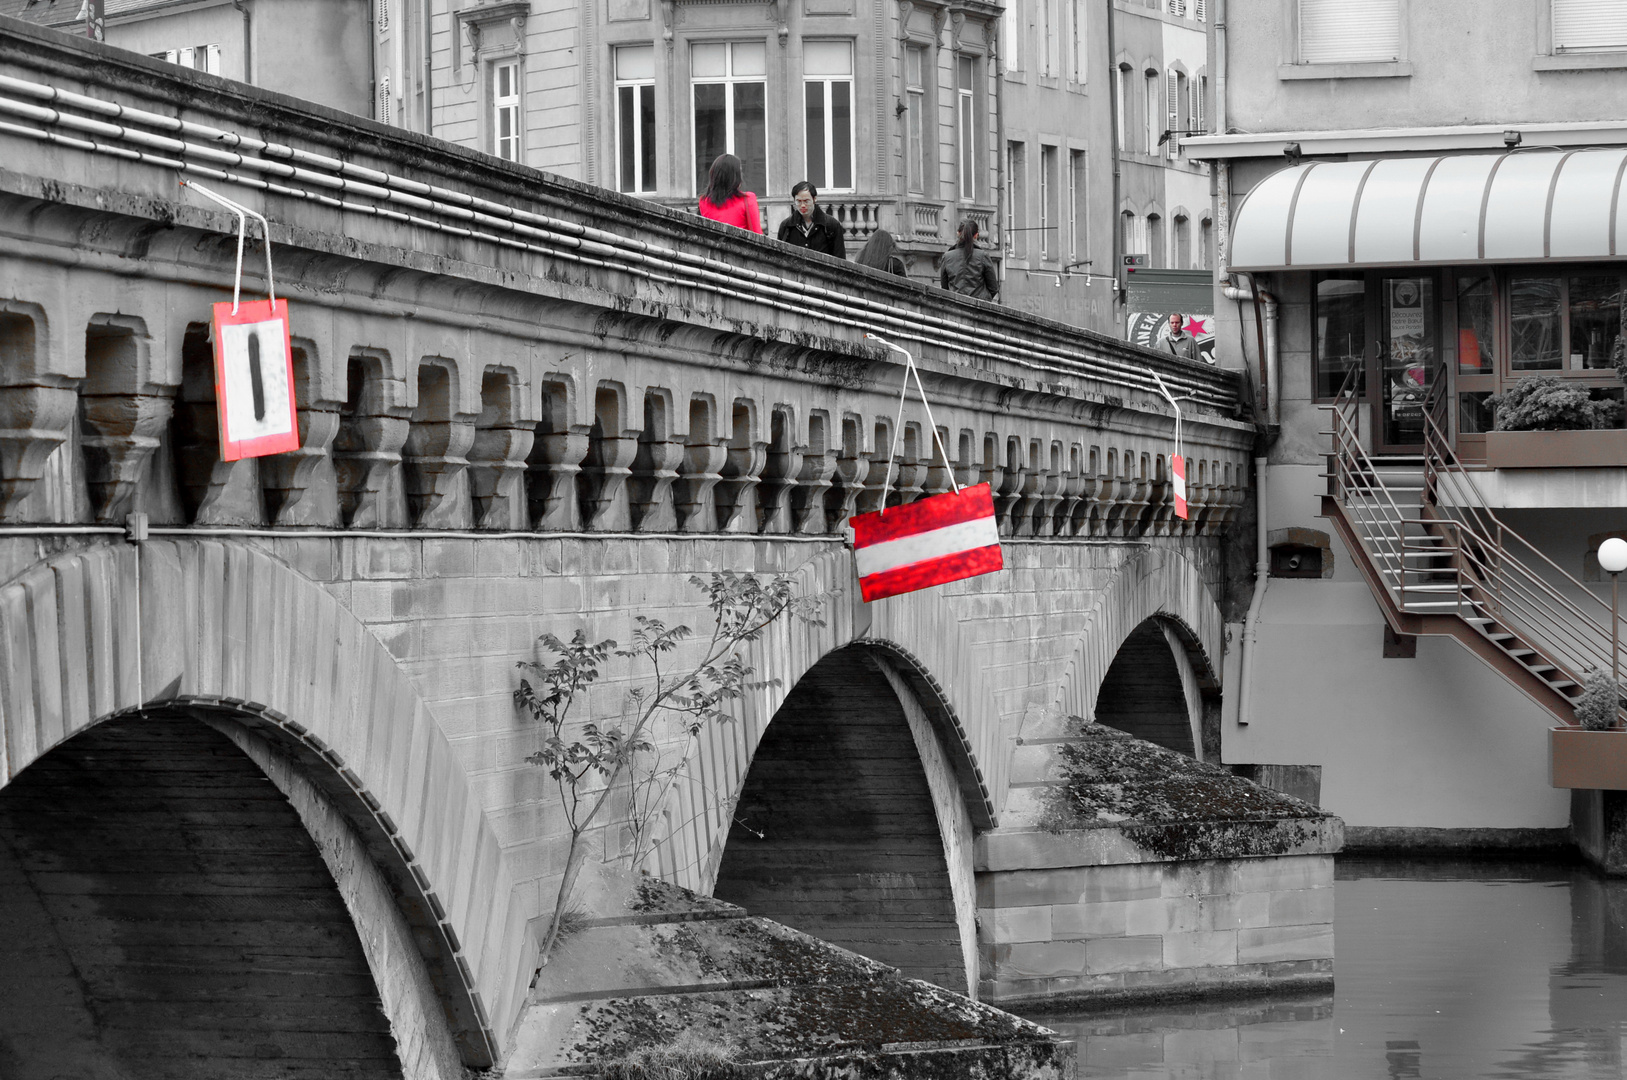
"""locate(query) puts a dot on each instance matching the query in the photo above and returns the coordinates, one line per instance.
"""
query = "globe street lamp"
(1613, 560)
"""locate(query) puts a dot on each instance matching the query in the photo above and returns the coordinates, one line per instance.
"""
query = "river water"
(1442, 970)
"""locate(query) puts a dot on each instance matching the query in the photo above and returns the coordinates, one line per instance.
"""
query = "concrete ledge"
(1403, 839)
(1138, 987)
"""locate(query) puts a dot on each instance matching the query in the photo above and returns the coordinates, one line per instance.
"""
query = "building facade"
(1425, 204)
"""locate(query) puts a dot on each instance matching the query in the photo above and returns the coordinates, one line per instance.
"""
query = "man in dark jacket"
(810, 227)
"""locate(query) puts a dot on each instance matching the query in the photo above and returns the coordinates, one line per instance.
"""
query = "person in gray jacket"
(966, 269)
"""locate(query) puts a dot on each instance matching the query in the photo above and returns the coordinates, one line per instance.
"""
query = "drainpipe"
(1000, 161)
(1270, 378)
(245, 6)
(1113, 140)
(1262, 575)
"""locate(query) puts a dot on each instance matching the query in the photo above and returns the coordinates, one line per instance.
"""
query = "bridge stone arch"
(226, 634)
(1156, 589)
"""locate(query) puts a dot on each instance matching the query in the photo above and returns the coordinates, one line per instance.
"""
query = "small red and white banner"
(1177, 468)
(936, 540)
(254, 379)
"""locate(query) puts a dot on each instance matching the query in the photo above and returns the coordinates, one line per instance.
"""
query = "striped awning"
(1513, 207)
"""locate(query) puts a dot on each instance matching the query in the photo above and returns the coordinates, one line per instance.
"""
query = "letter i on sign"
(1178, 471)
(254, 380)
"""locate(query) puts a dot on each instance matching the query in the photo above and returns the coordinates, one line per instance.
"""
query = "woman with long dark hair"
(967, 269)
(724, 201)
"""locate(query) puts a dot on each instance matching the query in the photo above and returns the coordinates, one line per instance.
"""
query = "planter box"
(1588, 759)
(1556, 449)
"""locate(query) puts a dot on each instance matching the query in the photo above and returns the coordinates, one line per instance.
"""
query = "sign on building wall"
(1154, 295)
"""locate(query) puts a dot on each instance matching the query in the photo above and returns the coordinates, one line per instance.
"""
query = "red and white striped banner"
(936, 540)
(1178, 469)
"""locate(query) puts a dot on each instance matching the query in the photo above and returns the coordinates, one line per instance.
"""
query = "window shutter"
(212, 64)
(1197, 9)
(1172, 113)
(384, 98)
(1349, 31)
(1177, 7)
(1589, 25)
(384, 17)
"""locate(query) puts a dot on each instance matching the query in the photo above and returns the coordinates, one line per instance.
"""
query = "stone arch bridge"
(525, 406)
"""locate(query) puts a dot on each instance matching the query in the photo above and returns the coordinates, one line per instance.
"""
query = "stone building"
(1426, 200)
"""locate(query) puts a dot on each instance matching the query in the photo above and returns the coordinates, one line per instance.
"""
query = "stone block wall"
(1155, 929)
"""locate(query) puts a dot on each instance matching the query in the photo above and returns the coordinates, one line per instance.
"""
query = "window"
(1050, 39)
(1123, 105)
(730, 97)
(1011, 34)
(1199, 107)
(198, 57)
(1129, 234)
(919, 165)
(1172, 102)
(1568, 323)
(1078, 211)
(384, 98)
(1177, 7)
(1349, 31)
(1340, 339)
(966, 115)
(1050, 217)
(1589, 25)
(1197, 9)
(1155, 241)
(1017, 199)
(1079, 59)
(505, 110)
(1206, 244)
(635, 118)
(827, 70)
(1149, 90)
(1183, 242)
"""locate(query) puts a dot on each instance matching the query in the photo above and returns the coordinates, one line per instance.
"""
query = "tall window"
(1172, 118)
(1078, 212)
(1200, 107)
(966, 116)
(827, 70)
(1123, 109)
(1011, 34)
(1129, 234)
(1017, 199)
(1078, 61)
(1149, 90)
(505, 109)
(1183, 243)
(1155, 241)
(915, 118)
(1339, 342)
(1589, 25)
(1050, 39)
(730, 94)
(635, 118)
(1206, 244)
(1349, 31)
(1050, 217)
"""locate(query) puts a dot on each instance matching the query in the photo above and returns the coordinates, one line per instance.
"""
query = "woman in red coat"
(725, 202)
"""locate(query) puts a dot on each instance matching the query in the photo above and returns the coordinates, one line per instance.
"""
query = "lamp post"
(1613, 560)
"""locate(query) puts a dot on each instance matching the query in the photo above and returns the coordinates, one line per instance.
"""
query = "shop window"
(635, 118)
(1476, 414)
(1476, 308)
(1340, 341)
(1564, 323)
(730, 95)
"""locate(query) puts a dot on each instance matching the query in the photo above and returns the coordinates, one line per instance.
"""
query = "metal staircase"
(1440, 561)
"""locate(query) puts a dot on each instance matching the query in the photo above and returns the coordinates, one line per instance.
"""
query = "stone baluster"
(1136, 495)
(300, 485)
(1030, 497)
(367, 451)
(1117, 494)
(909, 478)
(851, 468)
(808, 500)
(874, 480)
(435, 453)
(37, 405)
(1069, 500)
(122, 415)
(612, 448)
(556, 459)
(498, 456)
(737, 509)
(697, 483)
(655, 469)
(1051, 495)
(215, 492)
(1008, 494)
(781, 474)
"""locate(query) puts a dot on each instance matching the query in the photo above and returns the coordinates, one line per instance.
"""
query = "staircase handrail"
(1581, 639)
(1345, 413)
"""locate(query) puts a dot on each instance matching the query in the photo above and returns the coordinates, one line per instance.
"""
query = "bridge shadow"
(835, 831)
(168, 914)
(1146, 692)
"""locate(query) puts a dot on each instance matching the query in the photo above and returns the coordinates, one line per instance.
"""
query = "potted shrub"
(1594, 754)
(1548, 422)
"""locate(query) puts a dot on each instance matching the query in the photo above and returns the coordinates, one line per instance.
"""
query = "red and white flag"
(1177, 469)
(936, 540)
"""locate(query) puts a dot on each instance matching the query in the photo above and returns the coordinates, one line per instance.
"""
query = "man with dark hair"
(810, 227)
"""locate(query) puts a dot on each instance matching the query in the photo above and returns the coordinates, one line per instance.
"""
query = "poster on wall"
(1151, 330)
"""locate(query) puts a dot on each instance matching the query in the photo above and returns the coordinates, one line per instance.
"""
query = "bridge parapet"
(481, 346)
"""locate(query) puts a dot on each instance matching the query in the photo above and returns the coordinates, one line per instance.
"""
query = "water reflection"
(1443, 969)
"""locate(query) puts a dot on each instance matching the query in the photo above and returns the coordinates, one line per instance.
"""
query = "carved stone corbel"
(33, 423)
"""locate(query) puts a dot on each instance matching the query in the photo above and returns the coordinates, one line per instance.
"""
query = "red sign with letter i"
(254, 380)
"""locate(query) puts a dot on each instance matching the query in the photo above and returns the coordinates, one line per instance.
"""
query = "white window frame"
(1123, 72)
(1297, 63)
(1078, 192)
(730, 80)
(828, 181)
(1011, 34)
(512, 103)
(918, 139)
(1050, 39)
(643, 94)
(966, 129)
(1555, 54)
(1016, 199)
(1078, 41)
(1049, 191)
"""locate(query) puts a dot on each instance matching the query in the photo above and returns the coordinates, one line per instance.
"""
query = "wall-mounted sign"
(254, 380)
(930, 542)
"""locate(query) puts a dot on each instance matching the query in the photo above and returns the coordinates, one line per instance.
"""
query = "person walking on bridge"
(725, 202)
(966, 269)
(810, 227)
